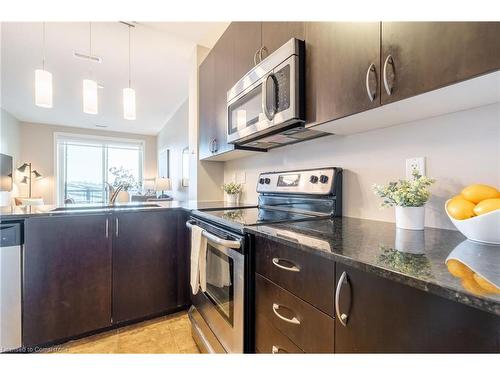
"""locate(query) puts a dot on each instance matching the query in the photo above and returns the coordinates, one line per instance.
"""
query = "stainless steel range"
(222, 315)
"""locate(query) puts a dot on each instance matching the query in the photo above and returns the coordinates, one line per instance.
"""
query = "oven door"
(221, 305)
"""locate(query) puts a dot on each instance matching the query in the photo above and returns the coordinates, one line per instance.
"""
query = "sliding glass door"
(84, 165)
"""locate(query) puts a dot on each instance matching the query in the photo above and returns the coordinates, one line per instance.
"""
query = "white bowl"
(483, 228)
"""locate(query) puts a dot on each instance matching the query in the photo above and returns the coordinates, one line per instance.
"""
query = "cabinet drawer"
(268, 339)
(309, 276)
(310, 329)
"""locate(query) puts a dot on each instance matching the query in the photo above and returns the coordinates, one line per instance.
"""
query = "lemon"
(460, 209)
(487, 205)
(476, 193)
(473, 287)
(485, 284)
(458, 269)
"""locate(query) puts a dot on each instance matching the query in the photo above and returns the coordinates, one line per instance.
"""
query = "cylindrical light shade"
(43, 88)
(129, 103)
(162, 183)
(90, 96)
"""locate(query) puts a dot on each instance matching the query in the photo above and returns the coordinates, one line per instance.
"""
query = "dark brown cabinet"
(247, 40)
(206, 101)
(147, 271)
(423, 56)
(342, 69)
(67, 277)
(275, 34)
(383, 316)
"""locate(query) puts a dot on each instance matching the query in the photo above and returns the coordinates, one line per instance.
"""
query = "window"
(85, 164)
(164, 163)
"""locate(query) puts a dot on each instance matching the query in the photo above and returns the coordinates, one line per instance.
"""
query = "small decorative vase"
(410, 217)
(233, 198)
(123, 197)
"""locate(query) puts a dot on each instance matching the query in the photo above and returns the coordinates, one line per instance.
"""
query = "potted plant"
(125, 179)
(233, 191)
(409, 198)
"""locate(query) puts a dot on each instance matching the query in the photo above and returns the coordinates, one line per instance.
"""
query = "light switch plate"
(417, 163)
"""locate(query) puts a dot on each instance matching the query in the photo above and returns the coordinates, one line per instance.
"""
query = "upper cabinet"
(247, 41)
(423, 56)
(206, 109)
(275, 34)
(342, 69)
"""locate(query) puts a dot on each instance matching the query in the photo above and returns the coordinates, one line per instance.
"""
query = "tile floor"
(169, 335)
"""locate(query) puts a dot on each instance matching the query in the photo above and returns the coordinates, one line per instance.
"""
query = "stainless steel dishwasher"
(11, 241)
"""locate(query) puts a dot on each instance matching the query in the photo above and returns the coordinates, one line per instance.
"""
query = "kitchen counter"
(22, 212)
(415, 258)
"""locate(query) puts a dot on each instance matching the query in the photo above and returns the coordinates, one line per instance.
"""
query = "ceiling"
(160, 62)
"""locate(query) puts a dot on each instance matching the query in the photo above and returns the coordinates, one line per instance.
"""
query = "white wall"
(38, 147)
(10, 144)
(174, 137)
(460, 148)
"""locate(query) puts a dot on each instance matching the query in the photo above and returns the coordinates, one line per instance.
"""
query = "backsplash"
(460, 149)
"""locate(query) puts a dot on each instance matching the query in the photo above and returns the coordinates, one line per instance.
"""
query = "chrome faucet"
(113, 193)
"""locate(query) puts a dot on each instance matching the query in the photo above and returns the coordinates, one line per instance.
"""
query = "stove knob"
(323, 179)
(267, 181)
(261, 181)
(313, 179)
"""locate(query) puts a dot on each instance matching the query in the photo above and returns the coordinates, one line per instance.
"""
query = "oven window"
(246, 111)
(220, 273)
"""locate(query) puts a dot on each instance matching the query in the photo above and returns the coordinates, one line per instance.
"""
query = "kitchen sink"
(107, 207)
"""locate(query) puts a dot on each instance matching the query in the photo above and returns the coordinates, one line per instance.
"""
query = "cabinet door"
(342, 59)
(247, 41)
(145, 278)
(275, 34)
(206, 106)
(430, 55)
(223, 54)
(384, 316)
(67, 277)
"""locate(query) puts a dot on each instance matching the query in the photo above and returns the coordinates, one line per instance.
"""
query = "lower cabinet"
(145, 272)
(67, 277)
(383, 316)
(83, 273)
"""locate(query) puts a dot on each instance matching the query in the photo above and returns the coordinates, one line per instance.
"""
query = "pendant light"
(129, 93)
(90, 86)
(43, 82)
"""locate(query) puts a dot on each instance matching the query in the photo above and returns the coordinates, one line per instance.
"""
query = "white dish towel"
(198, 259)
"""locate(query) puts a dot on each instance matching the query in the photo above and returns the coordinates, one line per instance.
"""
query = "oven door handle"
(220, 241)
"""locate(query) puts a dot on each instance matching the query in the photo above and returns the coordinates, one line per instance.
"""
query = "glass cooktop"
(256, 216)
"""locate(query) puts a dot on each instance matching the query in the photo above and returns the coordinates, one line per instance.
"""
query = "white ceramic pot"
(233, 198)
(123, 197)
(410, 217)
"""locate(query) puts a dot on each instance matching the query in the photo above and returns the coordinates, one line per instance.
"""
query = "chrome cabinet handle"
(256, 57)
(388, 61)
(262, 49)
(107, 228)
(371, 93)
(294, 320)
(276, 262)
(116, 227)
(213, 145)
(342, 317)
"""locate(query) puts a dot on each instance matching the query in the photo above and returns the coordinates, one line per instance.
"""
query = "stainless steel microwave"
(265, 108)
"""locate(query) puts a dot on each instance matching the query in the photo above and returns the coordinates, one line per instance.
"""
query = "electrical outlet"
(415, 163)
(241, 177)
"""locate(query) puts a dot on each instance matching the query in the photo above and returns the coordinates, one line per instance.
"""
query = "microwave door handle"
(265, 109)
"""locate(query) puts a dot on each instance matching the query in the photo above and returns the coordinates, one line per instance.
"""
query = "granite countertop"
(22, 212)
(415, 258)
